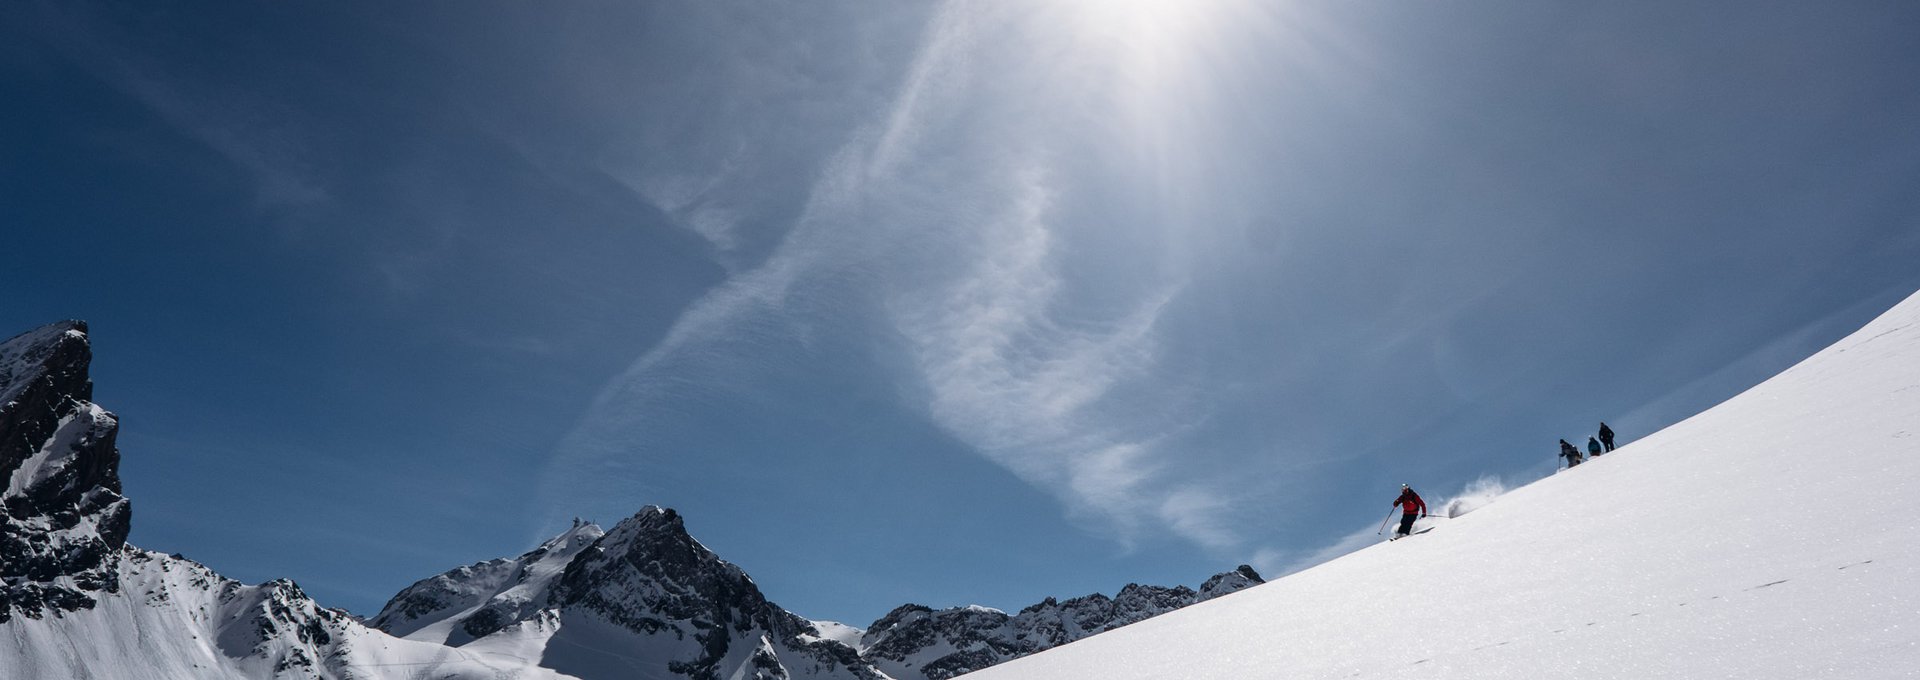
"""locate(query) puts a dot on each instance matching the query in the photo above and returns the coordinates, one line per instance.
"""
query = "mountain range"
(1767, 537)
(641, 599)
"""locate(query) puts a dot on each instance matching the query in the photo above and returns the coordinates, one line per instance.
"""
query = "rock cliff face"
(650, 577)
(62, 519)
(914, 642)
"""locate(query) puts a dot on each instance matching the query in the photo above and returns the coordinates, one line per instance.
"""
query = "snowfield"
(1773, 536)
(178, 620)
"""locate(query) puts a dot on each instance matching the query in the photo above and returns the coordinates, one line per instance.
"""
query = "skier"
(1606, 436)
(1593, 448)
(1571, 454)
(1410, 505)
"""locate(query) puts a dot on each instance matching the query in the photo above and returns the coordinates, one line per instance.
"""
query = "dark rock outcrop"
(914, 642)
(62, 518)
(646, 576)
(649, 575)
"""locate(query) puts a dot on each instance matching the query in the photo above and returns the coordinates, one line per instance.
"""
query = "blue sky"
(940, 303)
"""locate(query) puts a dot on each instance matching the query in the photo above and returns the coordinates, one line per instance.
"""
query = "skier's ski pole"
(1383, 523)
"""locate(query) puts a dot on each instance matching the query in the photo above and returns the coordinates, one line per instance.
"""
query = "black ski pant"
(1406, 523)
(1607, 442)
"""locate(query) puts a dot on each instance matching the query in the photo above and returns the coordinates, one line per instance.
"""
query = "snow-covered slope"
(463, 604)
(174, 618)
(1773, 536)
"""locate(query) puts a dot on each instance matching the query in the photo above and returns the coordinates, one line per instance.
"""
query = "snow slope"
(174, 618)
(509, 590)
(1773, 536)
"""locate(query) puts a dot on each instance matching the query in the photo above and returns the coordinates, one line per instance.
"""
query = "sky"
(944, 303)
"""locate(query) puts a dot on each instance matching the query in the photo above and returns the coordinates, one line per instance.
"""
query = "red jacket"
(1410, 503)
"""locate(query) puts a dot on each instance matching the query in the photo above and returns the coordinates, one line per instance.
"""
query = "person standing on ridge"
(1606, 436)
(1410, 505)
(1593, 448)
(1568, 452)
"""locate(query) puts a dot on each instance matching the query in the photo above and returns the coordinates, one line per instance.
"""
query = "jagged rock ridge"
(586, 596)
(915, 642)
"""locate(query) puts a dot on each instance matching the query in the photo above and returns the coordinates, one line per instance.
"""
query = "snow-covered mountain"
(1772, 536)
(643, 599)
(62, 519)
(470, 602)
(646, 597)
(76, 601)
(918, 643)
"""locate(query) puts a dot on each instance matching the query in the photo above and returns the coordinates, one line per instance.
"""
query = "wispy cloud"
(961, 210)
(265, 148)
(253, 135)
(695, 200)
(1013, 363)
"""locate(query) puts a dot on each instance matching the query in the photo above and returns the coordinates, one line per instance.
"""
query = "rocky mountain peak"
(1241, 578)
(62, 517)
(649, 563)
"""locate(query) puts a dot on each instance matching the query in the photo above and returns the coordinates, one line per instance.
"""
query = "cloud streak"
(973, 216)
(1012, 360)
(252, 135)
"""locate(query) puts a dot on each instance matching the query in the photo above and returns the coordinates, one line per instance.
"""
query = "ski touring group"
(1595, 447)
(1413, 508)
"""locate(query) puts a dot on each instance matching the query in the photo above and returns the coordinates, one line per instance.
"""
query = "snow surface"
(1772, 536)
(837, 632)
(176, 619)
(514, 587)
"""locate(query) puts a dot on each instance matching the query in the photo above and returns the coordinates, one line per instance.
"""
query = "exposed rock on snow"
(62, 518)
(477, 600)
(77, 602)
(645, 597)
(914, 642)
(640, 598)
